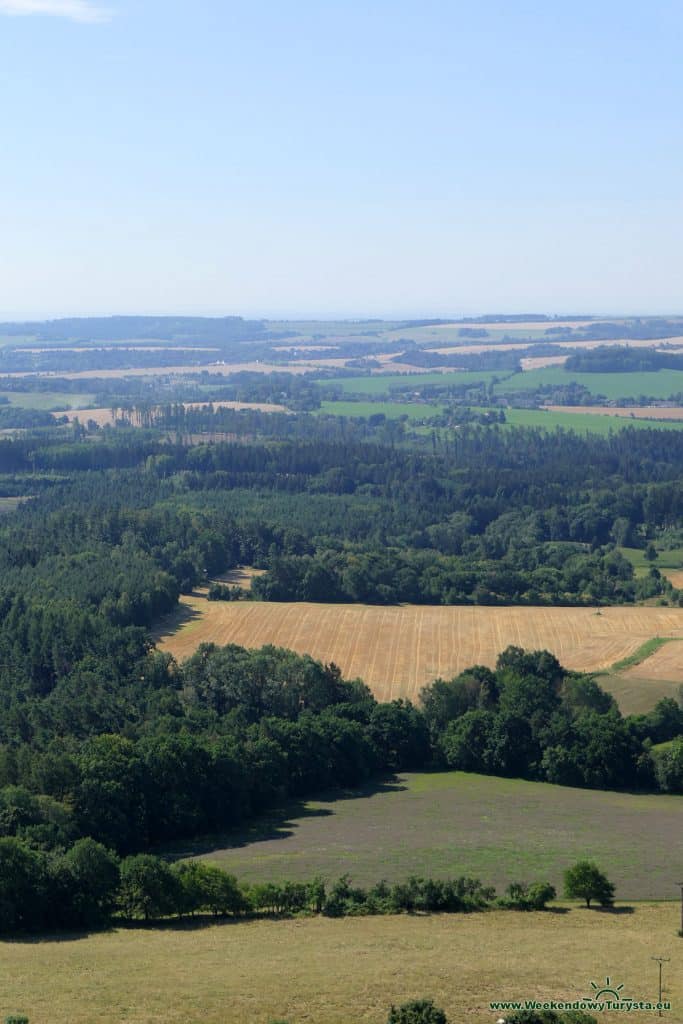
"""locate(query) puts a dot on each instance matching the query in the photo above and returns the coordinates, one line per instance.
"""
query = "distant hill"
(188, 329)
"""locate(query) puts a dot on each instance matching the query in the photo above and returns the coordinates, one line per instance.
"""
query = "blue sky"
(340, 158)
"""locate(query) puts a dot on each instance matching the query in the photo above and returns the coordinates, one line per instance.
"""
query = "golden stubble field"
(322, 971)
(396, 650)
(105, 417)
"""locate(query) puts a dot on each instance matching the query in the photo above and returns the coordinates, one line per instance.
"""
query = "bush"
(418, 1011)
(344, 900)
(519, 896)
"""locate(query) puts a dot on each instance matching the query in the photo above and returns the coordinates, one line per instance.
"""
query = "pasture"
(324, 971)
(453, 823)
(581, 423)
(392, 410)
(545, 419)
(645, 412)
(46, 400)
(397, 650)
(653, 384)
(383, 384)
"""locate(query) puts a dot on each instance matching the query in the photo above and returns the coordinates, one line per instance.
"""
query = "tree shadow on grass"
(170, 624)
(616, 911)
(280, 823)
(42, 938)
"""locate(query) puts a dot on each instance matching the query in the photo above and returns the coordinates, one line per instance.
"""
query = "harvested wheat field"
(105, 417)
(397, 650)
(325, 971)
(665, 663)
(222, 369)
(540, 362)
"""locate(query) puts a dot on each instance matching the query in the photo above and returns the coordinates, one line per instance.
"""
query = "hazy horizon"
(327, 161)
(304, 316)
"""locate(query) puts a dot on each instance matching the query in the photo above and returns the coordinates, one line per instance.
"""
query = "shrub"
(418, 1011)
(519, 896)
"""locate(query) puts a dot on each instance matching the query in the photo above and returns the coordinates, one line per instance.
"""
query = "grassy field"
(547, 419)
(671, 558)
(452, 823)
(396, 650)
(582, 423)
(347, 971)
(382, 384)
(637, 690)
(660, 384)
(48, 399)
(637, 412)
(392, 410)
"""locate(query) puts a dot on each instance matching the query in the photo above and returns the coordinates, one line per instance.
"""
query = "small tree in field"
(418, 1011)
(585, 881)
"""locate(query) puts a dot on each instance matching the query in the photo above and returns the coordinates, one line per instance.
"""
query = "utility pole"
(660, 960)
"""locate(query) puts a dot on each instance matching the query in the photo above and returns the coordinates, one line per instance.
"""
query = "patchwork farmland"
(396, 650)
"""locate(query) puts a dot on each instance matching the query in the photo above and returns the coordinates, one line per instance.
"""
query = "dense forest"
(104, 738)
(233, 732)
(615, 359)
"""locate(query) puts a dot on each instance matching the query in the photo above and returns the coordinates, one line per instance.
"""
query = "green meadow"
(583, 423)
(546, 419)
(452, 823)
(659, 384)
(383, 384)
(48, 399)
(392, 410)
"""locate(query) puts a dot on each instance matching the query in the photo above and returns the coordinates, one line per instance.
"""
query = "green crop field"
(660, 384)
(383, 384)
(392, 410)
(48, 399)
(583, 423)
(499, 830)
(667, 558)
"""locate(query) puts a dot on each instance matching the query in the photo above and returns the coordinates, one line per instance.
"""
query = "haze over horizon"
(309, 160)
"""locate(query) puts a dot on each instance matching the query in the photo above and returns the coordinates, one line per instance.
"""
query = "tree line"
(230, 733)
(87, 885)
